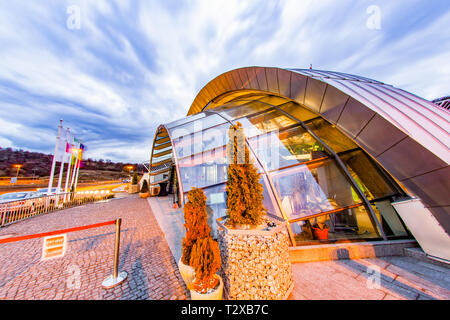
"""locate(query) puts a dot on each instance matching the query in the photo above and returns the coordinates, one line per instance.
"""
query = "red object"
(175, 205)
(320, 234)
(51, 233)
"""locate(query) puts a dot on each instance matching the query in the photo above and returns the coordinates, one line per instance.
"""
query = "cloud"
(133, 65)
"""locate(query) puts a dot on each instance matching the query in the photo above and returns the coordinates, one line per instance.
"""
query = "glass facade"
(322, 199)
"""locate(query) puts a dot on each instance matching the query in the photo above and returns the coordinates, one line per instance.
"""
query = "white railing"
(14, 211)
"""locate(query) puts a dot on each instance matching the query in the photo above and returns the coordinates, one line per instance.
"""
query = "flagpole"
(68, 167)
(74, 171)
(61, 173)
(61, 170)
(78, 166)
(52, 171)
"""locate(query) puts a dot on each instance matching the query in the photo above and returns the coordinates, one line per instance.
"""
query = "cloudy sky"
(115, 70)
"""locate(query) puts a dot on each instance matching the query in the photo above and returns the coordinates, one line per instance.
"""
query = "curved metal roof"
(416, 117)
(406, 134)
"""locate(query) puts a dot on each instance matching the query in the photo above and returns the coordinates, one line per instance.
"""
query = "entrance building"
(363, 159)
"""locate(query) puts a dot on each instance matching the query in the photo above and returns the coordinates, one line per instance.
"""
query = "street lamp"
(130, 169)
(18, 166)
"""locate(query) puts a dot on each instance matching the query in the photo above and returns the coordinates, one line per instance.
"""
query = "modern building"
(368, 160)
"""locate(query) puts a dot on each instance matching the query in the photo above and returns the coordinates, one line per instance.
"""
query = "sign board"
(54, 247)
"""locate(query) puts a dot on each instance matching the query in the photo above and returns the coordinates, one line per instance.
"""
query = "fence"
(18, 210)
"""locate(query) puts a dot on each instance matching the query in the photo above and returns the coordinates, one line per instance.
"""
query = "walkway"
(400, 278)
(171, 221)
(144, 255)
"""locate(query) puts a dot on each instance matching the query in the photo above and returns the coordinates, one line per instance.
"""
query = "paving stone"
(348, 279)
(143, 254)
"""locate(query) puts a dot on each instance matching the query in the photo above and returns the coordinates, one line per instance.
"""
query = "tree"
(196, 222)
(134, 180)
(244, 191)
(205, 259)
(144, 188)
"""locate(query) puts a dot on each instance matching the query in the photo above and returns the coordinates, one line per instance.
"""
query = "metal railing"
(18, 210)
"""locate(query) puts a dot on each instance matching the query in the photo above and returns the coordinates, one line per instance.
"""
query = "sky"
(115, 70)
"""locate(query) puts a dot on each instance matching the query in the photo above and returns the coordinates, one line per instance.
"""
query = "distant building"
(368, 159)
(443, 102)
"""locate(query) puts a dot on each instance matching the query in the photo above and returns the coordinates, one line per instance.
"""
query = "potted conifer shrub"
(254, 246)
(144, 193)
(205, 259)
(134, 187)
(196, 225)
(245, 207)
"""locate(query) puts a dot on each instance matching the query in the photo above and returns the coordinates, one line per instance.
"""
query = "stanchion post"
(116, 249)
(117, 277)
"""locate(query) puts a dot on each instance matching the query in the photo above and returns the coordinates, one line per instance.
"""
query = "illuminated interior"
(314, 176)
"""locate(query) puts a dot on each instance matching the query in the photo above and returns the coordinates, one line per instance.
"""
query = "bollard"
(116, 278)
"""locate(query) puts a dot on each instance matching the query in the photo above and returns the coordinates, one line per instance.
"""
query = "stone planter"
(187, 272)
(133, 188)
(215, 295)
(255, 262)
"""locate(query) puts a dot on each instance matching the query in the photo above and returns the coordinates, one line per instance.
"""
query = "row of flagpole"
(66, 146)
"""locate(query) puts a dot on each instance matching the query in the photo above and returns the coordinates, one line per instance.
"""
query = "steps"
(353, 250)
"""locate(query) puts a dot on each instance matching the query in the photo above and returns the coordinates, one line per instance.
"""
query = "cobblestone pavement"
(144, 255)
(384, 278)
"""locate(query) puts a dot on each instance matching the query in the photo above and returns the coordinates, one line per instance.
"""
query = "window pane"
(286, 147)
(391, 223)
(331, 136)
(269, 201)
(201, 141)
(196, 126)
(273, 100)
(265, 122)
(367, 175)
(185, 120)
(349, 224)
(310, 189)
(240, 109)
(298, 111)
(203, 169)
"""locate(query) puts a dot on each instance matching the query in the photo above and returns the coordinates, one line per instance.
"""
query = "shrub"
(196, 222)
(134, 180)
(205, 259)
(244, 191)
(144, 188)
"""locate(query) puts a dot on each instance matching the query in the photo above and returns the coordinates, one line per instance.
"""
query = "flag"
(81, 149)
(61, 151)
(67, 143)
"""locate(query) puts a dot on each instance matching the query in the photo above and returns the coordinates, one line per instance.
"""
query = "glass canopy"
(343, 191)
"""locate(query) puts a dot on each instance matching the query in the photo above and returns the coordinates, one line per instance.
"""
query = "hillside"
(37, 165)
